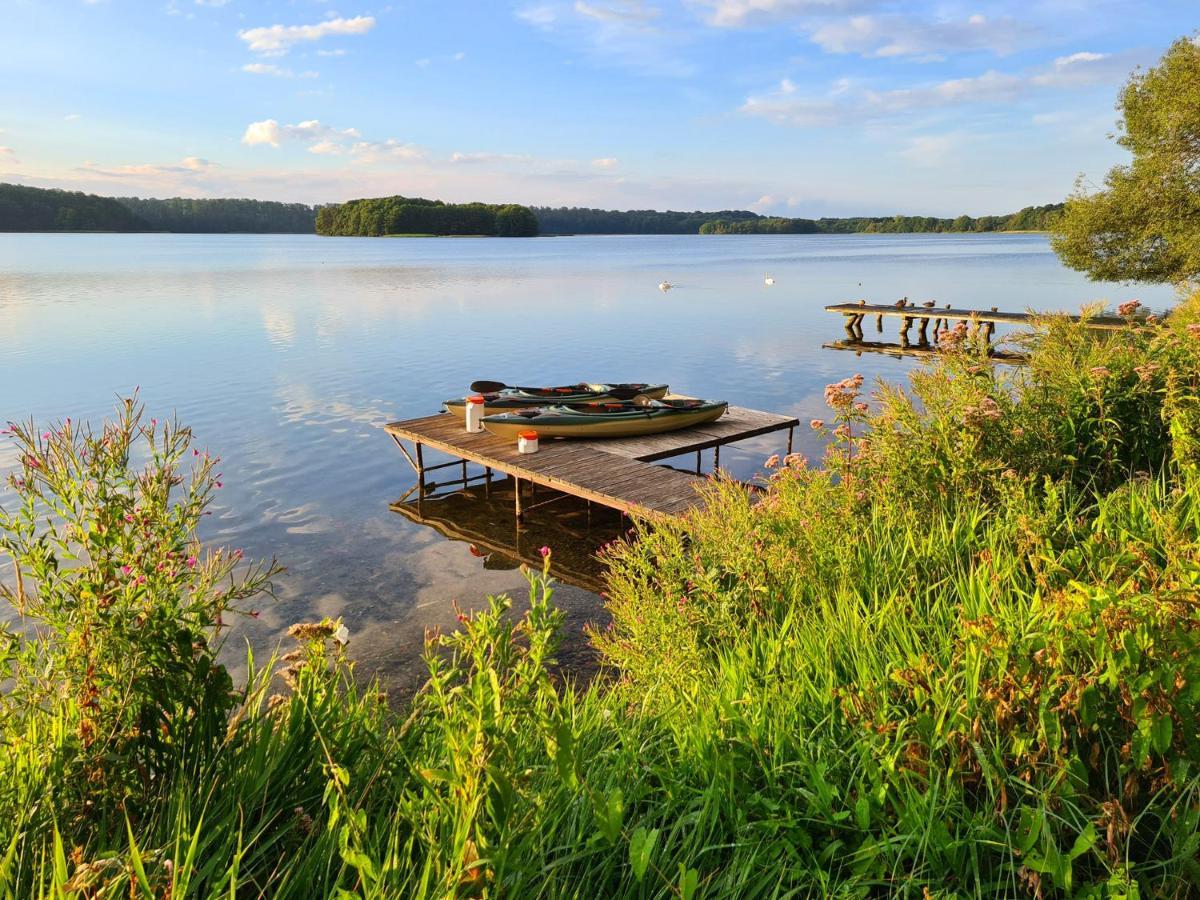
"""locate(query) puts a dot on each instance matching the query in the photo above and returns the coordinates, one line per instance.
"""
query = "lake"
(286, 353)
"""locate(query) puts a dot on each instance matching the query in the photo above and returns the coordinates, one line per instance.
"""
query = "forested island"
(41, 209)
(418, 216)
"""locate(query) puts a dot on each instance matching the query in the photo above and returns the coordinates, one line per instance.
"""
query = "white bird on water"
(768, 280)
(665, 286)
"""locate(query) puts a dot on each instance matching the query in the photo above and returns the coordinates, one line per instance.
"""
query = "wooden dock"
(618, 473)
(978, 321)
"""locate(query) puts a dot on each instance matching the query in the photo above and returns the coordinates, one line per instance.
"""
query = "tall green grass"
(959, 658)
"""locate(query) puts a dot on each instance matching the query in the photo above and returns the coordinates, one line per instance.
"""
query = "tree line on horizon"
(418, 216)
(25, 208)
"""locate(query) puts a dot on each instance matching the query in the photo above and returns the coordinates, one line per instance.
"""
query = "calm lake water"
(286, 354)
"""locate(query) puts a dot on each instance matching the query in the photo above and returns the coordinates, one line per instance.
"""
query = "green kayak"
(606, 420)
(513, 398)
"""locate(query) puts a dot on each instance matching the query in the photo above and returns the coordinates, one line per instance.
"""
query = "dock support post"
(487, 484)
(791, 432)
(699, 469)
(858, 320)
(517, 498)
(848, 324)
(420, 473)
(879, 323)
(922, 333)
(904, 327)
(716, 458)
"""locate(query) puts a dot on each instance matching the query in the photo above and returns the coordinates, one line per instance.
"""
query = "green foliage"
(960, 659)
(189, 215)
(415, 215)
(564, 220)
(36, 209)
(1144, 225)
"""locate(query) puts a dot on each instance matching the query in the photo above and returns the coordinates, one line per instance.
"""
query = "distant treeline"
(578, 220)
(1031, 218)
(186, 215)
(416, 215)
(37, 209)
(570, 220)
(40, 209)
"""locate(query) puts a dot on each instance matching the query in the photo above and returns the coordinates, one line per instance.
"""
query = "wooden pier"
(978, 321)
(618, 472)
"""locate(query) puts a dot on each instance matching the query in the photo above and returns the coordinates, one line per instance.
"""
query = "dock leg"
(517, 498)
(698, 467)
(989, 329)
(420, 473)
(487, 484)
(464, 471)
(879, 323)
(791, 432)
(716, 458)
(904, 327)
(848, 324)
(922, 333)
(858, 332)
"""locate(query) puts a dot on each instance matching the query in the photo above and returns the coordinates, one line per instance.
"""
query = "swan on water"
(768, 280)
(665, 286)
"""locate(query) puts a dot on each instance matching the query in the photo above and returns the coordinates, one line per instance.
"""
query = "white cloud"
(605, 162)
(211, 2)
(275, 71)
(489, 158)
(278, 39)
(422, 63)
(460, 56)
(338, 52)
(898, 35)
(763, 203)
(1083, 69)
(269, 131)
(324, 140)
(71, 117)
(9, 155)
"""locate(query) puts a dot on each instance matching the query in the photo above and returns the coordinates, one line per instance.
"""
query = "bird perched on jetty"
(901, 303)
(665, 286)
(928, 304)
(768, 280)
(862, 302)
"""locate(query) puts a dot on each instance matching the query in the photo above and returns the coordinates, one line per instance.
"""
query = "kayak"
(606, 420)
(514, 398)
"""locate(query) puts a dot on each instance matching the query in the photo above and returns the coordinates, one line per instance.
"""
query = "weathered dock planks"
(618, 473)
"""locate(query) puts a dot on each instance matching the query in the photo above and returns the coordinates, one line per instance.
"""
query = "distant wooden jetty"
(619, 473)
(978, 321)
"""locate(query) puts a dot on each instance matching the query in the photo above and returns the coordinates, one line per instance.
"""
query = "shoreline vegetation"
(26, 209)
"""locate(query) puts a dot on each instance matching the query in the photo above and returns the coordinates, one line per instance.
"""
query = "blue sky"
(795, 107)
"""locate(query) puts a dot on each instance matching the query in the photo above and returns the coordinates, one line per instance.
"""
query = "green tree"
(1144, 225)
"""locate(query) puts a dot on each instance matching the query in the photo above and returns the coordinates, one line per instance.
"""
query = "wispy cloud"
(848, 102)
(624, 33)
(275, 40)
(907, 36)
(9, 155)
(737, 13)
(276, 71)
(189, 166)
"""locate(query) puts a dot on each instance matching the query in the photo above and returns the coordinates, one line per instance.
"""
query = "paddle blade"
(487, 387)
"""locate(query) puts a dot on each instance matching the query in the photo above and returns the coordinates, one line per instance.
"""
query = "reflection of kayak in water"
(607, 420)
(511, 398)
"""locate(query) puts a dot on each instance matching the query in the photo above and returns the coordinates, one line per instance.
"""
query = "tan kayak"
(607, 420)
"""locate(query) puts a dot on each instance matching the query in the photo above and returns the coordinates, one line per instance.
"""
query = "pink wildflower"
(861, 407)
(544, 551)
(1194, 329)
(125, 570)
(795, 461)
(141, 579)
(1128, 308)
(191, 562)
(772, 461)
(1099, 372)
(816, 424)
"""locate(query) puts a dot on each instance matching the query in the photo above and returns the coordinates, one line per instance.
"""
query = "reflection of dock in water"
(483, 518)
(915, 350)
